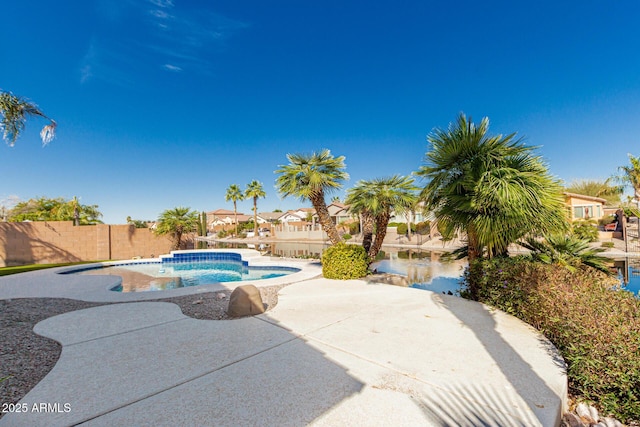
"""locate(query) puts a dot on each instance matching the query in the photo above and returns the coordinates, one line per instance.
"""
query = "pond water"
(428, 269)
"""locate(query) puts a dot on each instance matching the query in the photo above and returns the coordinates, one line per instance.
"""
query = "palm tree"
(309, 177)
(375, 199)
(176, 222)
(631, 176)
(254, 190)
(14, 111)
(490, 187)
(234, 193)
(595, 188)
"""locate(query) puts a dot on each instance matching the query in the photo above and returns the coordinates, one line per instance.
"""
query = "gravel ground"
(26, 358)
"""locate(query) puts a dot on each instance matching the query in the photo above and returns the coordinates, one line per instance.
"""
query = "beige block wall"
(59, 241)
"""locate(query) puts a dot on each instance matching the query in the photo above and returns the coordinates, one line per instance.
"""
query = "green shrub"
(585, 230)
(606, 220)
(346, 236)
(342, 261)
(423, 227)
(402, 229)
(607, 244)
(354, 228)
(596, 329)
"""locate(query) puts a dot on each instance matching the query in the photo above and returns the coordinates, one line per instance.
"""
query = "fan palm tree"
(310, 177)
(14, 111)
(631, 176)
(254, 190)
(374, 200)
(176, 222)
(234, 193)
(492, 188)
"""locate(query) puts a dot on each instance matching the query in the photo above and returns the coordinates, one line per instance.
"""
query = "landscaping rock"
(245, 300)
(610, 422)
(587, 413)
(221, 295)
(571, 420)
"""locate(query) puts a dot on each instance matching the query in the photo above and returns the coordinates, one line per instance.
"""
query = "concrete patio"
(330, 353)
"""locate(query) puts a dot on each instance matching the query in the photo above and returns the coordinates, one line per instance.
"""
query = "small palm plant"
(568, 251)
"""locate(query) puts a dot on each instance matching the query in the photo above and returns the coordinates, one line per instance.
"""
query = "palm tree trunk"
(177, 240)
(382, 221)
(255, 217)
(317, 200)
(367, 221)
(408, 216)
(235, 218)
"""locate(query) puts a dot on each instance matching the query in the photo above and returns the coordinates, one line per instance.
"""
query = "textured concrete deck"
(330, 353)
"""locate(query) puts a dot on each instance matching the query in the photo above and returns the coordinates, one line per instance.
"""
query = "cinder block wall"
(59, 241)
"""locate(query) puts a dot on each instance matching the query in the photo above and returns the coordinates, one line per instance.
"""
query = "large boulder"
(245, 300)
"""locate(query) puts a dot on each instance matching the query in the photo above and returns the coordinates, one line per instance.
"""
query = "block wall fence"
(45, 242)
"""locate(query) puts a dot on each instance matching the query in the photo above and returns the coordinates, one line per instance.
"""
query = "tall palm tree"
(234, 193)
(597, 188)
(176, 222)
(310, 177)
(375, 199)
(254, 190)
(631, 176)
(14, 111)
(492, 188)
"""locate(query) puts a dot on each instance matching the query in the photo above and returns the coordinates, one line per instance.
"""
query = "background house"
(580, 206)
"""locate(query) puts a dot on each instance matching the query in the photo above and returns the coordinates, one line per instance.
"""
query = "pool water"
(164, 276)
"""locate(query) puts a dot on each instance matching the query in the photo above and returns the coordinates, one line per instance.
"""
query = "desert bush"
(342, 261)
(607, 244)
(346, 236)
(595, 327)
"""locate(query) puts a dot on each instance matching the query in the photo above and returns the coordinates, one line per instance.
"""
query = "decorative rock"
(610, 422)
(572, 420)
(221, 296)
(199, 301)
(587, 413)
(245, 300)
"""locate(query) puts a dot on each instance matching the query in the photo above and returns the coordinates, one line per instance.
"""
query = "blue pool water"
(158, 276)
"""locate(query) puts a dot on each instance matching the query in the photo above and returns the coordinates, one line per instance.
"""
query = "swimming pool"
(185, 269)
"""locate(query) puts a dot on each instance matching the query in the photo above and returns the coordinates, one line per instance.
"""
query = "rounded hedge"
(343, 262)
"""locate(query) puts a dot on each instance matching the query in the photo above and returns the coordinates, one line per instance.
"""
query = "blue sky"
(165, 103)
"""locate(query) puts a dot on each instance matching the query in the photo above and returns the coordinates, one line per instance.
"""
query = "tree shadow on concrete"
(538, 394)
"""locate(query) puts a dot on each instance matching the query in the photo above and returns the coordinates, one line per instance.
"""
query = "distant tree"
(203, 224)
(58, 209)
(310, 177)
(594, 188)
(176, 222)
(277, 210)
(234, 194)
(14, 111)
(631, 176)
(254, 191)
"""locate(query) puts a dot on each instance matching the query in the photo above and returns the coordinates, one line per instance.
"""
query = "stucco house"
(580, 206)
